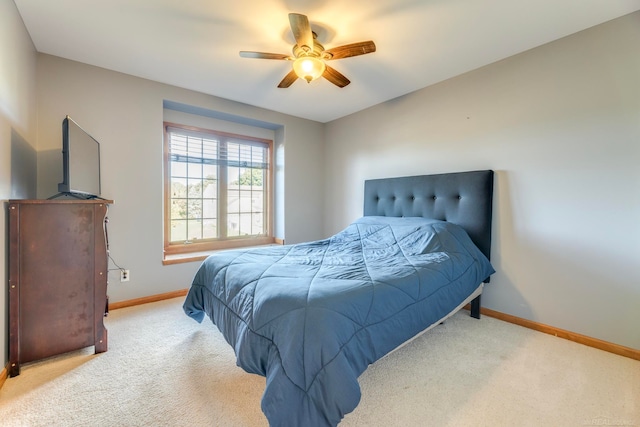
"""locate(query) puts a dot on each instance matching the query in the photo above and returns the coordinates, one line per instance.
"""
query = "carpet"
(164, 369)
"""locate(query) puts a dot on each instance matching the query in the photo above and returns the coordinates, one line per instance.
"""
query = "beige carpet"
(164, 369)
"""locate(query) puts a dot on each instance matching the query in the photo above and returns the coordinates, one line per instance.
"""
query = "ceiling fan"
(309, 55)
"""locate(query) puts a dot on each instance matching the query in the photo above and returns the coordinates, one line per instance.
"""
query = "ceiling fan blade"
(353, 49)
(263, 55)
(288, 80)
(301, 30)
(335, 77)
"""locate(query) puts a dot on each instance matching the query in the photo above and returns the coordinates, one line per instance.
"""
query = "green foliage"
(250, 176)
(181, 207)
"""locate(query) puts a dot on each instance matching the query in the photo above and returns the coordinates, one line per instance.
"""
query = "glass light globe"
(309, 68)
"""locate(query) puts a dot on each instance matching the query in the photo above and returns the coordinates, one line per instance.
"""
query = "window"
(217, 190)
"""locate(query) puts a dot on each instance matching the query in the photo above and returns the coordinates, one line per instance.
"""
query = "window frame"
(223, 242)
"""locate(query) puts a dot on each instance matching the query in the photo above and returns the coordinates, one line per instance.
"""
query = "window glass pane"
(245, 201)
(209, 171)
(233, 224)
(209, 208)
(178, 187)
(194, 208)
(178, 169)
(257, 177)
(194, 170)
(194, 229)
(257, 226)
(209, 229)
(245, 224)
(233, 201)
(178, 231)
(233, 176)
(257, 202)
(179, 209)
(210, 188)
(194, 188)
(248, 177)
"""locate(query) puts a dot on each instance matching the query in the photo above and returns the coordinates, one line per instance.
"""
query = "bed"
(311, 317)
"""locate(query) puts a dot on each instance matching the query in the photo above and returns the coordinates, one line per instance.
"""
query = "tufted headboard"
(463, 198)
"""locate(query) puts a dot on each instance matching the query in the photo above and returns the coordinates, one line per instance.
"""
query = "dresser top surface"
(59, 201)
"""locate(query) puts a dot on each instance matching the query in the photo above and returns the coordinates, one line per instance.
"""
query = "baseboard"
(4, 374)
(146, 300)
(561, 333)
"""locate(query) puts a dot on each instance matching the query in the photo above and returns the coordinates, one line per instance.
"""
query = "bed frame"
(463, 198)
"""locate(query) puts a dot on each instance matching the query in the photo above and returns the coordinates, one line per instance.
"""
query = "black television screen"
(80, 162)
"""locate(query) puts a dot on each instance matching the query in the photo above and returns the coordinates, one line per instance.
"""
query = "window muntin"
(217, 190)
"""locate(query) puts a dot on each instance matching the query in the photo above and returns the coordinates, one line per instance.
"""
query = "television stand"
(58, 268)
(80, 196)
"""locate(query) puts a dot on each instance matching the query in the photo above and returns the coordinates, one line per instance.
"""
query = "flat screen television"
(80, 162)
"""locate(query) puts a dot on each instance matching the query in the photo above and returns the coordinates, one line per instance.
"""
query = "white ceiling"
(194, 44)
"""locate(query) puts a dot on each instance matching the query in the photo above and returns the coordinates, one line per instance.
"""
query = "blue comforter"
(311, 317)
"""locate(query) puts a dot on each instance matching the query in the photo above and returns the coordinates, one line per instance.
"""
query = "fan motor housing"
(317, 51)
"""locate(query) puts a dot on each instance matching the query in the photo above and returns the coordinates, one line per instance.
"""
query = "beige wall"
(560, 124)
(125, 114)
(17, 135)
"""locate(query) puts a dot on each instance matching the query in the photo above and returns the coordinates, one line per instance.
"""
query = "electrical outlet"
(124, 275)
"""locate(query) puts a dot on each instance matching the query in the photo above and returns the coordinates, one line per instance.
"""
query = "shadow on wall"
(24, 173)
(49, 172)
(502, 293)
(24, 168)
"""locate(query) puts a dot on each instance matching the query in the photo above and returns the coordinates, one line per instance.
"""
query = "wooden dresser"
(58, 265)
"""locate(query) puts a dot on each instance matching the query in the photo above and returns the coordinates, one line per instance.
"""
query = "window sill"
(171, 259)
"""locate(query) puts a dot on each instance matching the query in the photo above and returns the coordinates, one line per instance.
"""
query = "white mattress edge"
(471, 297)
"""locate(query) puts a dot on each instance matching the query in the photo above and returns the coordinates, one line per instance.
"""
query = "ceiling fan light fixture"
(309, 68)
(309, 55)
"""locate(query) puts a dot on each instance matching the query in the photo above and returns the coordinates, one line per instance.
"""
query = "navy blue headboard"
(464, 198)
